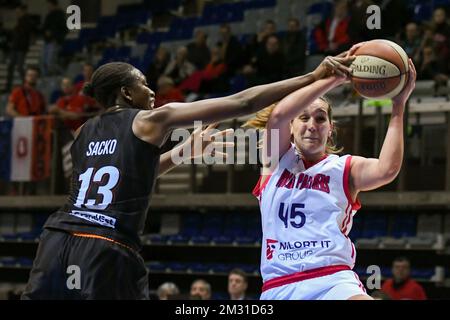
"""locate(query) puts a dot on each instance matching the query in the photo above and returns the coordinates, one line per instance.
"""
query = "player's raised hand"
(334, 66)
(403, 96)
(210, 140)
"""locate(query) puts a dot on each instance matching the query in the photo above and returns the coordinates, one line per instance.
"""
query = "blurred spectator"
(20, 42)
(55, 31)
(167, 290)
(213, 75)
(332, 36)
(438, 34)
(411, 41)
(294, 48)
(198, 51)
(167, 92)
(209, 80)
(71, 107)
(401, 286)
(237, 284)
(4, 43)
(428, 68)
(26, 100)
(88, 70)
(91, 104)
(179, 68)
(231, 50)
(268, 66)
(269, 29)
(380, 295)
(200, 289)
(158, 66)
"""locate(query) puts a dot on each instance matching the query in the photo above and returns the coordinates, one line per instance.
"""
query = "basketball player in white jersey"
(308, 199)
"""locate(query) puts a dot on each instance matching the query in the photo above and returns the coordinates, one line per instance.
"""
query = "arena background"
(203, 220)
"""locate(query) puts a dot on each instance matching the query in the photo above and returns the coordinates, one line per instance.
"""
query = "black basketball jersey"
(113, 177)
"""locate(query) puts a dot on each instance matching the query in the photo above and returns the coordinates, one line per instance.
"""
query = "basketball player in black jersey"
(116, 159)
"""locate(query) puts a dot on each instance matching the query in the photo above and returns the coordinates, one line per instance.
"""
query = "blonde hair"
(262, 117)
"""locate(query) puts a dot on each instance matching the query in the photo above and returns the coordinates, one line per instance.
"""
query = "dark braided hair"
(107, 80)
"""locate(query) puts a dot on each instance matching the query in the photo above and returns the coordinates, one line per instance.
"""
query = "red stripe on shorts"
(304, 275)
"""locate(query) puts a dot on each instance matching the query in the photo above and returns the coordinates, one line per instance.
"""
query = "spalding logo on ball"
(380, 69)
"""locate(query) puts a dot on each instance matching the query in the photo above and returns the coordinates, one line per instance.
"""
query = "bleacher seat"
(404, 225)
(234, 226)
(375, 225)
(199, 267)
(156, 266)
(213, 225)
(8, 261)
(367, 243)
(245, 240)
(393, 243)
(200, 239)
(222, 240)
(191, 225)
(422, 273)
(177, 266)
(178, 239)
(429, 225)
(221, 267)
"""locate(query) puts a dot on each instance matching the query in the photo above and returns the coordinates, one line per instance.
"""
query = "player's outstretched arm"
(368, 174)
(196, 145)
(152, 126)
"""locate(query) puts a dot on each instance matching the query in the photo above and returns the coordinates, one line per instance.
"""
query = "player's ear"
(125, 92)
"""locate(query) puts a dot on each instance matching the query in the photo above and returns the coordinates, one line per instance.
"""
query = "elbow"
(276, 119)
(390, 173)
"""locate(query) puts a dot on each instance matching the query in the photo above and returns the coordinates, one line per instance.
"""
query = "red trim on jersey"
(349, 218)
(258, 189)
(357, 204)
(305, 275)
(346, 216)
(309, 164)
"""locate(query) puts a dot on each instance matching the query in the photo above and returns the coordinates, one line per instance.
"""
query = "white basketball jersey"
(306, 216)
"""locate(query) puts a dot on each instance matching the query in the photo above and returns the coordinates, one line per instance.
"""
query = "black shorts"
(73, 267)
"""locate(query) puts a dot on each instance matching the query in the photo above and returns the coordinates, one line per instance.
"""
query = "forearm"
(165, 161)
(243, 103)
(391, 155)
(262, 96)
(293, 105)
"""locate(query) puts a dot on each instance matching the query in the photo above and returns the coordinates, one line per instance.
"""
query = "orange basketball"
(380, 69)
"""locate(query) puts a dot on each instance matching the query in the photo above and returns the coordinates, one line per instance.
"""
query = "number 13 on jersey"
(291, 215)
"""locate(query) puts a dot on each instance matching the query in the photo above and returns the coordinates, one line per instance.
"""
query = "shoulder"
(149, 125)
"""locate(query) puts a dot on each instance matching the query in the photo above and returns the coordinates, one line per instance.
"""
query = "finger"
(226, 132)
(339, 68)
(220, 154)
(196, 130)
(343, 54)
(220, 145)
(346, 62)
(212, 126)
(355, 47)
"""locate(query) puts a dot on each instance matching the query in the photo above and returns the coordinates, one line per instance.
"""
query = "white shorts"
(337, 286)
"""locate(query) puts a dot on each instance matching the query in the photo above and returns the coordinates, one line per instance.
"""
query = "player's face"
(312, 128)
(141, 95)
